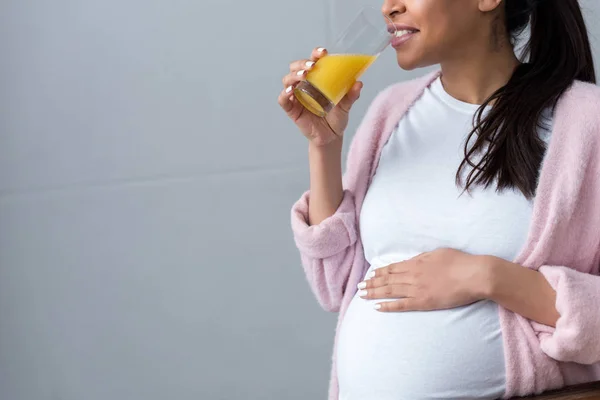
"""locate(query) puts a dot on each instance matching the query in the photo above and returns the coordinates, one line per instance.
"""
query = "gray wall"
(146, 175)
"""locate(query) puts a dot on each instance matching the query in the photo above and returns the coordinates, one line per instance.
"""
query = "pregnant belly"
(447, 354)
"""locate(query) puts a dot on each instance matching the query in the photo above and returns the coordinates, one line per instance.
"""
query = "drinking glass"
(347, 59)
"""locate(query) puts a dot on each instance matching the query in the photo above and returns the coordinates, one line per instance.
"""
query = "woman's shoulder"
(576, 136)
(581, 106)
(586, 90)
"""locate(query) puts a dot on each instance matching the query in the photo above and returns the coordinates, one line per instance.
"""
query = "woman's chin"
(408, 63)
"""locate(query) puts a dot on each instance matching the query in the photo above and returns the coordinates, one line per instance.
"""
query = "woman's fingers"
(348, 101)
(298, 72)
(400, 306)
(397, 291)
(299, 69)
(382, 280)
(318, 53)
(308, 64)
(286, 99)
(293, 78)
(397, 268)
(301, 65)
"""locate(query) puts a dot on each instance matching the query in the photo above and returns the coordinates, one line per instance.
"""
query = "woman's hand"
(441, 279)
(320, 131)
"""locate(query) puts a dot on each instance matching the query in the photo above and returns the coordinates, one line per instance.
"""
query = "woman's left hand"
(441, 279)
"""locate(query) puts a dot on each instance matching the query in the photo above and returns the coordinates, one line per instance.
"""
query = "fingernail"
(363, 293)
(289, 89)
(309, 64)
(377, 306)
(301, 72)
(362, 285)
(321, 49)
(370, 275)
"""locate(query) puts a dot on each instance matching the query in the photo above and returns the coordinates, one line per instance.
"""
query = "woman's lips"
(402, 36)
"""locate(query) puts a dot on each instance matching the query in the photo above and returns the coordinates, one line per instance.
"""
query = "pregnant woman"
(461, 248)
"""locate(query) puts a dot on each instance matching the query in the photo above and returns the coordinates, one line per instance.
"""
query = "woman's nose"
(392, 8)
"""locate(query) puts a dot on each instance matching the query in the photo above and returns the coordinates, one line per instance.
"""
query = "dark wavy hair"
(505, 147)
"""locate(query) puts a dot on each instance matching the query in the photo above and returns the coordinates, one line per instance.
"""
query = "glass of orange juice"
(348, 58)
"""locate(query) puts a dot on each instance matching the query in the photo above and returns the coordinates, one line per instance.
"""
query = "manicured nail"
(362, 285)
(363, 293)
(301, 72)
(377, 306)
(370, 275)
(289, 89)
(309, 64)
(321, 49)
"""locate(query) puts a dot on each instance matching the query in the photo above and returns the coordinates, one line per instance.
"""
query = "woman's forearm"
(521, 290)
(326, 191)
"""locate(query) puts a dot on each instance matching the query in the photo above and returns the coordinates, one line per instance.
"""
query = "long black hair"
(506, 139)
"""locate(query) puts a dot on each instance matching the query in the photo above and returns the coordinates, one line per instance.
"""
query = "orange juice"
(334, 75)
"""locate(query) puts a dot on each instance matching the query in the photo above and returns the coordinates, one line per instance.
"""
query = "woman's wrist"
(326, 158)
(485, 284)
(333, 146)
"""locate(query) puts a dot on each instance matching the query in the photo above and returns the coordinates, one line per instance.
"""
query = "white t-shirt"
(413, 206)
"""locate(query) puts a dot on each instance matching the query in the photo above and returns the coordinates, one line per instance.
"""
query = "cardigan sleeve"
(326, 250)
(330, 237)
(576, 337)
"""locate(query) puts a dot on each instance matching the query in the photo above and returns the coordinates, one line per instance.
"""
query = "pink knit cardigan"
(563, 242)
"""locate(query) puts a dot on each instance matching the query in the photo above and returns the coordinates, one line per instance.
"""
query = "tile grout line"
(114, 183)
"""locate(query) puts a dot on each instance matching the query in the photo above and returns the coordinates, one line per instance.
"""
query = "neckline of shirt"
(438, 90)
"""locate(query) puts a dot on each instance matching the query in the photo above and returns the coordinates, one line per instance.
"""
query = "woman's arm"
(326, 191)
(448, 278)
(561, 303)
(520, 290)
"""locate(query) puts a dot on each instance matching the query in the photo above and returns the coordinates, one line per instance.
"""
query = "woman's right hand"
(321, 131)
